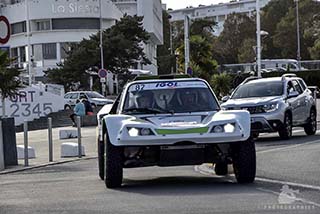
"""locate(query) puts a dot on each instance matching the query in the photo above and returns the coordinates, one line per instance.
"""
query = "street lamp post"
(28, 43)
(298, 34)
(103, 85)
(258, 39)
(186, 42)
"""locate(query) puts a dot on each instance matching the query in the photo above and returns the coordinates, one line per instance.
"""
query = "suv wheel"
(311, 127)
(244, 161)
(285, 131)
(221, 168)
(113, 165)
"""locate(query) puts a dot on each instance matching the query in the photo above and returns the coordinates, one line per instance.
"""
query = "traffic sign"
(102, 80)
(5, 29)
(102, 73)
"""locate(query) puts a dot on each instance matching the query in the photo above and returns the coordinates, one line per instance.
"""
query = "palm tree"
(9, 80)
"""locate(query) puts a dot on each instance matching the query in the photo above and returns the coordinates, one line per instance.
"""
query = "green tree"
(285, 37)
(201, 56)
(246, 51)
(9, 78)
(165, 60)
(221, 84)
(236, 29)
(122, 44)
(272, 14)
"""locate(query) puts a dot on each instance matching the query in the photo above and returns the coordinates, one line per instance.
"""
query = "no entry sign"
(4, 30)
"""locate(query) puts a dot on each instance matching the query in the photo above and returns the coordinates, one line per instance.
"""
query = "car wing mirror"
(225, 98)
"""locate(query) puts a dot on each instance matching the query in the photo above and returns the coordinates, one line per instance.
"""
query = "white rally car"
(171, 122)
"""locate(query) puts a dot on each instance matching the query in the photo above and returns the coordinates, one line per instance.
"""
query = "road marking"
(288, 147)
(274, 181)
(206, 170)
(296, 199)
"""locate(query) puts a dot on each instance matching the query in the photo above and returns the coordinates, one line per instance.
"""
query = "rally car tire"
(113, 165)
(285, 131)
(101, 159)
(244, 161)
(221, 168)
(311, 127)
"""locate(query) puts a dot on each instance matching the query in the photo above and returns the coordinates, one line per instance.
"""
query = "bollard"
(50, 139)
(79, 136)
(1, 148)
(26, 155)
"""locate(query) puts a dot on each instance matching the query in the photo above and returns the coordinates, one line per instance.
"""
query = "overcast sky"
(179, 4)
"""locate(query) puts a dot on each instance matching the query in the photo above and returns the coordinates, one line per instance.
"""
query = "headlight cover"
(134, 132)
(270, 107)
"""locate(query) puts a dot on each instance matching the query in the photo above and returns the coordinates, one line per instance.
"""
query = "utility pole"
(186, 43)
(258, 39)
(298, 34)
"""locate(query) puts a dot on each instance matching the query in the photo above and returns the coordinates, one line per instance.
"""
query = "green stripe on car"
(183, 131)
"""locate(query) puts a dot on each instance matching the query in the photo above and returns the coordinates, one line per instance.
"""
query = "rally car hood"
(254, 101)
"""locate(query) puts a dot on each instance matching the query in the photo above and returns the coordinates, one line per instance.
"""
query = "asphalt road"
(75, 187)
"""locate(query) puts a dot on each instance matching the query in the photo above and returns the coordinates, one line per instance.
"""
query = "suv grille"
(254, 109)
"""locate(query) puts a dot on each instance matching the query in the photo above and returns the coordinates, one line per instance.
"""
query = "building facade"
(55, 24)
(218, 11)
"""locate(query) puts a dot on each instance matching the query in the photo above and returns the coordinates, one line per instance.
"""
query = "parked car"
(93, 97)
(276, 104)
(170, 122)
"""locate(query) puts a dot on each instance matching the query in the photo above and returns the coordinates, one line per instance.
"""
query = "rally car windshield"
(169, 97)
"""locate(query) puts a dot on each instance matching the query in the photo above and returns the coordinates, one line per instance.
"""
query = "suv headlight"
(134, 132)
(270, 107)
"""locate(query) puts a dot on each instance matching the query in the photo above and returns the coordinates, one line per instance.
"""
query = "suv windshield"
(169, 97)
(94, 95)
(259, 89)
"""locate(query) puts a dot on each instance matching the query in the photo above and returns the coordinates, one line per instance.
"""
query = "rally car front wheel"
(244, 161)
(113, 165)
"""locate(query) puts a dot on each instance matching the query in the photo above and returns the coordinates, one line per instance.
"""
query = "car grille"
(253, 109)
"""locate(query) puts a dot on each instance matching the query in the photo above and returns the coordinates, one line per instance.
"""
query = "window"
(303, 84)
(80, 23)
(259, 89)
(22, 54)
(19, 27)
(49, 51)
(43, 25)
(297, 86)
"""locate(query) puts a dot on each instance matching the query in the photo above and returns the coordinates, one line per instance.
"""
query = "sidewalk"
(39, 141)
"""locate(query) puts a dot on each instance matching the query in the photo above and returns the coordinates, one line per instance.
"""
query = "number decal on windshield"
(166, 84)
(139, 87)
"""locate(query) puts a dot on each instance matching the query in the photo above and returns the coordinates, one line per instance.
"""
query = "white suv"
(276, 104)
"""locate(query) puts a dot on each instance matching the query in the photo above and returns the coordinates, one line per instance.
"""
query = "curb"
(11, 171)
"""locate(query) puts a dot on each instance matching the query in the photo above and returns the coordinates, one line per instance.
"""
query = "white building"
(56, 23)
(218, 11)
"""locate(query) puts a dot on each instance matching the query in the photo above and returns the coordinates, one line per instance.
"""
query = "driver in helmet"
(144, 99)
(188, 97)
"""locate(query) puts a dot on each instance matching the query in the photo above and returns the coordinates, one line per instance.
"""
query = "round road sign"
(102, 73)
(4, 30)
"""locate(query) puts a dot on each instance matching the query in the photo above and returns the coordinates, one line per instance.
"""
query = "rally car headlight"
(270, 107)
(134, 132)
(227, 128)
